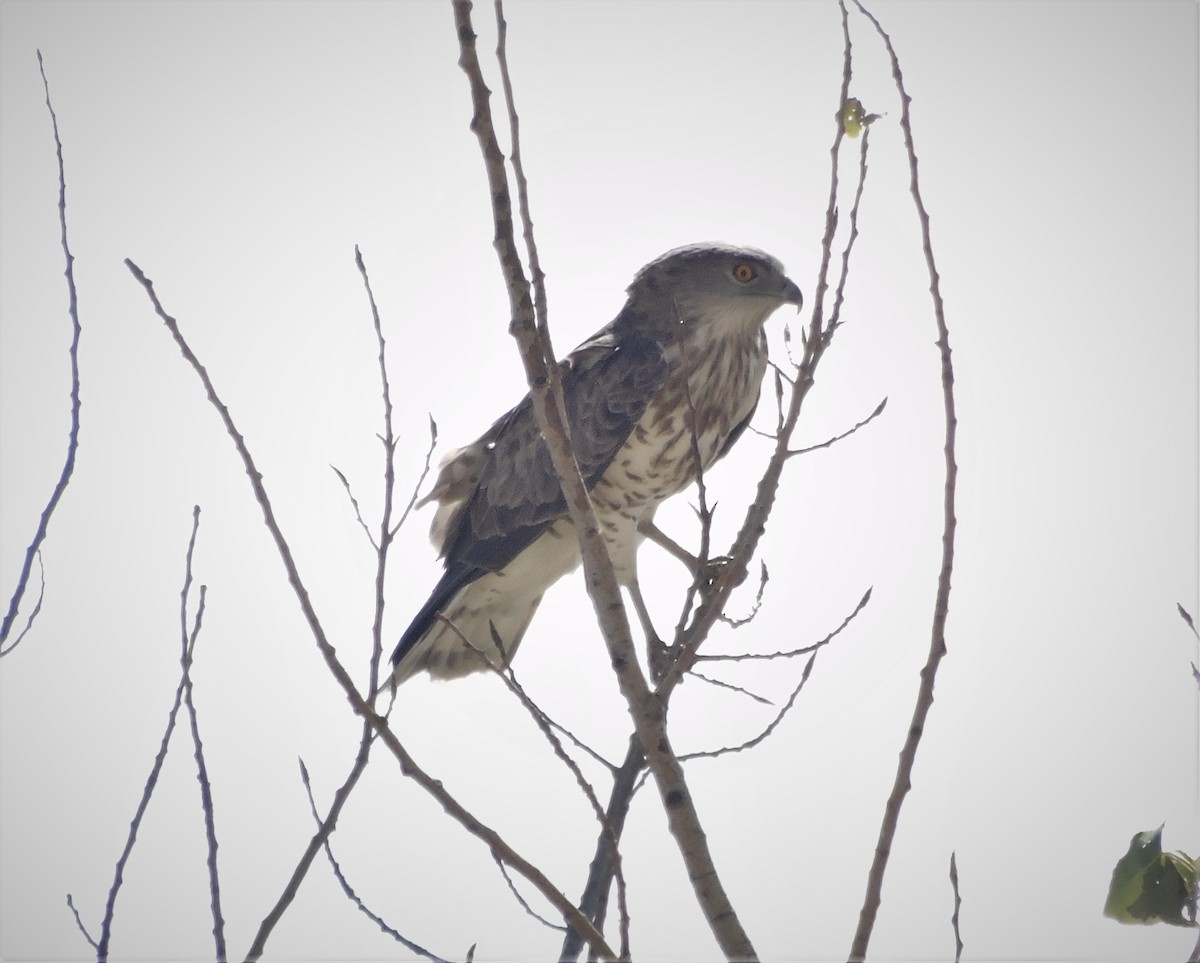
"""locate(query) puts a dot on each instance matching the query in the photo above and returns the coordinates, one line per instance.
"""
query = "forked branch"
(546, 393)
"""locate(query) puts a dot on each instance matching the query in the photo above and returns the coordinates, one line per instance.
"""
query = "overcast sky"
(238, 151)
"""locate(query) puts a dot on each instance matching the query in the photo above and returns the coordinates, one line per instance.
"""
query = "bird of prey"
(677, 373)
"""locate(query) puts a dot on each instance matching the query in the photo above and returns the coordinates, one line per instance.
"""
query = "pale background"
(238, 151)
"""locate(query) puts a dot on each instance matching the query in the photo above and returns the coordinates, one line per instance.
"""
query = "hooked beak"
(792, 295)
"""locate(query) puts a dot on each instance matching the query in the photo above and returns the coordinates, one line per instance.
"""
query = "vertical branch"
(73, 436)
(937, 641)
(387, 532)
(816, 340)
(538, 276)
(647, 711)
(713, 599)
(188, 646)
(156, 768)
(389, 484)
(594, 902)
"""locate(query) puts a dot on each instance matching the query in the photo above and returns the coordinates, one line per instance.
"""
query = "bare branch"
(1187, 618)
(816, 340)
(547, 725)
(36, 608)
(354, 503)
(771, 726)
(537, 276)
(412, 501)
(805, 650)
(73, 435)
(325, 828)
(206, 802)
(407, 765)
(699, 574)
(937, 641)
(693, 674)
(187, 648)
(594, 902)
(546, 395)
(79, 923)
(958, 943)
(839, 294)
(845, 434)
(156, 767)
(386, 532)
(345, 884)
(525, 903)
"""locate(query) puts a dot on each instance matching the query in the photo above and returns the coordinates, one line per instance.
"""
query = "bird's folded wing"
(607, 386)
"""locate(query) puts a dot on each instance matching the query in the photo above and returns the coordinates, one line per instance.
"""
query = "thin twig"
(187, 649)
(693, 674)
(547, 727)
(703, 512)
(325, 828)
(771, 726)
(835, 314)
(386, 533)
(349, 890)
(1187, 618)
(412, 501)
(524, 902)
(958, 943)
(73, 435)
(408, 766)
(805, 650)
(845, 434)
(36, 608)
(537, 276)
(354, 503)
(152, 779)
(79, 922)
(937, 641)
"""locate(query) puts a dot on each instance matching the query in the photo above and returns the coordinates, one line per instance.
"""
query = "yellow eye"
(745, 273)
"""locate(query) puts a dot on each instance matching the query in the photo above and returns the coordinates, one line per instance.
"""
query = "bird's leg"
(706, 571)
(656, 649)
(660, 538)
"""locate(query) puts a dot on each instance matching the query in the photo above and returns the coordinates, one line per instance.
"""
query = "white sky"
(237, 152)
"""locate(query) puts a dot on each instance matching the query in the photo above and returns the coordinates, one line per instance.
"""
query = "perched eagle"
(677, 372)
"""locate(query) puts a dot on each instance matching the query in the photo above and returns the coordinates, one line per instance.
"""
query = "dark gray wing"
(606, 388)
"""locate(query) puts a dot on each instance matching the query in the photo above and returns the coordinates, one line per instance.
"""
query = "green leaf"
(852, 117)
(1150, 886)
